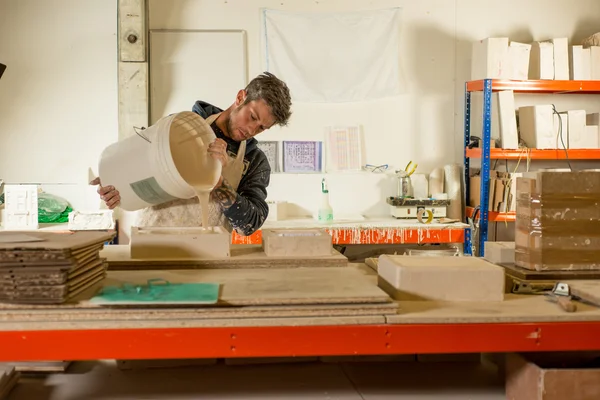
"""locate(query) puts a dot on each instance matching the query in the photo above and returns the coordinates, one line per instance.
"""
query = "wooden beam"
(133, 66)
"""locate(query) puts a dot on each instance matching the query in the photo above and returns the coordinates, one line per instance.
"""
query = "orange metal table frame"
(280, 341)
(377, 236)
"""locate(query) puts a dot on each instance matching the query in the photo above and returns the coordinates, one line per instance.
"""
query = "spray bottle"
(325, 210)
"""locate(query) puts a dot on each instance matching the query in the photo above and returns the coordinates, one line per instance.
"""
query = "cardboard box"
(552, 377)
(556, 221)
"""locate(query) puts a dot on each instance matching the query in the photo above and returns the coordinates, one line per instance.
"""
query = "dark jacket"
(250, 210)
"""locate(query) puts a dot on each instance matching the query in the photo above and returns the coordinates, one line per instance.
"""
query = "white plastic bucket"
(158, 164)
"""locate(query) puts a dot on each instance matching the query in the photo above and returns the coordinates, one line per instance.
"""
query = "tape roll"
(421, 213)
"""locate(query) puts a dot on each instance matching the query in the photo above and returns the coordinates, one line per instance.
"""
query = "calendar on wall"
(302, 156)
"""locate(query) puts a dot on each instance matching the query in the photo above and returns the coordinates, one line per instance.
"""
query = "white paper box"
(595, 63)
(537, 126)
(541, 63)
(518, 60)
(591, 135)
(489, 59)
(509, 137)
(577, 136)
(580, 64)
(561, 59)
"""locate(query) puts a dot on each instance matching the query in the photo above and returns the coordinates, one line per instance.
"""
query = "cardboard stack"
(502, 190)
(557, 221)
(50, 267)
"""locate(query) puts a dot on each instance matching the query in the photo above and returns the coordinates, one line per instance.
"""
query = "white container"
(167, 161)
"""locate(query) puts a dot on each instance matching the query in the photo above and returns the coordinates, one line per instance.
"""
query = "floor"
(292, 381)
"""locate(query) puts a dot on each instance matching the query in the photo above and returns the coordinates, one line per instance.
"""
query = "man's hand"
(109, 194)
(218, 151)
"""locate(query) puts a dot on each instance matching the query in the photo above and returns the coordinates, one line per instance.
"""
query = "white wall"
(425, 124)
(58, 96)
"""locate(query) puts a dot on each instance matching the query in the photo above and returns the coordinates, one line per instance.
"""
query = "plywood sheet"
(68, 241)
(514, 308)
(242, 256)
(589, 291)
(183, 314)
(318, 285)
(532, 275)
(197, 323)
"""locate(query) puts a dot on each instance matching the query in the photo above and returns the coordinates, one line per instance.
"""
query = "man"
(238, 200)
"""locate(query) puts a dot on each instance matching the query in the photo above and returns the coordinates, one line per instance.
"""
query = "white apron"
(186, 213)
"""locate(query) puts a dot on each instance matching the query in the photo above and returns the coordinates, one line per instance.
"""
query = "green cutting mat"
(158, 291)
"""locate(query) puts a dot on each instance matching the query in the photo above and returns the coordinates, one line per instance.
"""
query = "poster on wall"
(334, 57)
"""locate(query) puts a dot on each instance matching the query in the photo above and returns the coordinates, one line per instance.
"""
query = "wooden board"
(40, 366)
(589, 291)
(60, 241)
(241, 287)
(530, 275)
(196, 323)
(189, 313)
(242, 256)
(514, 308)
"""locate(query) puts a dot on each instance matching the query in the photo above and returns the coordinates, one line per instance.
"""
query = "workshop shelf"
(537, 86)
(486, 153)
(536, 154)
(495, 216)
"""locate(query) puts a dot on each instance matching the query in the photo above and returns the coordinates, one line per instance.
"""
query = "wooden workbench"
(520, 323)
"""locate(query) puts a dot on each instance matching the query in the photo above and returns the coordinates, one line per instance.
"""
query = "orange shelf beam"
(495, 216)
(294, 341)
(386, 235)
(538, 86)
(535, 154)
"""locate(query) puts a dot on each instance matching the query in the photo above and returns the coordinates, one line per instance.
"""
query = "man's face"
(248, 120)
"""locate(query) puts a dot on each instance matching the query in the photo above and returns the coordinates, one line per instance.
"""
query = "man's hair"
(274, 92)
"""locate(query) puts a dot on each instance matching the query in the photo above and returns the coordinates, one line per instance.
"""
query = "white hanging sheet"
(335, 57)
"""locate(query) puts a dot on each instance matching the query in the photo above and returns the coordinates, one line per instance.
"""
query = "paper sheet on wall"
(335, 57)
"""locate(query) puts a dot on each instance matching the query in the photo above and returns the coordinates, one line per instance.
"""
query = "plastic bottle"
(325, 210)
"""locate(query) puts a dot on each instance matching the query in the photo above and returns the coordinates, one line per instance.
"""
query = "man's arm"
(247, 209)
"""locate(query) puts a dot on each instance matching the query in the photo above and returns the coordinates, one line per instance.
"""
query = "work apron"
(186, 212)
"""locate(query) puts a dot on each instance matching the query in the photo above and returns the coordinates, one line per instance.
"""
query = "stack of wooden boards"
(49, 267)
(346, 295)
(8, 379)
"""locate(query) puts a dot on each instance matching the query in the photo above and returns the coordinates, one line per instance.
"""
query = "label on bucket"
(150, 191)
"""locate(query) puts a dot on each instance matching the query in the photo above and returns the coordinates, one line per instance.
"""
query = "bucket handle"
(135, 128)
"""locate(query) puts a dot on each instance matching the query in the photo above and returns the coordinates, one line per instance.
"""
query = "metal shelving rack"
(487, 86)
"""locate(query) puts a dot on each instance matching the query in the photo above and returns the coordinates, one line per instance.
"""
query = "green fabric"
(159, 291)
